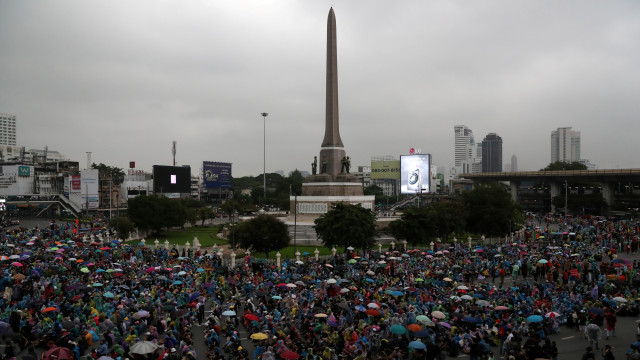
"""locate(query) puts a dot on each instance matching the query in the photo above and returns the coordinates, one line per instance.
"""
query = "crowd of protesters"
(72, 294)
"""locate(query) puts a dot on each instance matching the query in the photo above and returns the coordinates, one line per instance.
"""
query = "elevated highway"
(608, 180)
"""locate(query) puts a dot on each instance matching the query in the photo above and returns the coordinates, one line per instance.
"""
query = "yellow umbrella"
(259, 336)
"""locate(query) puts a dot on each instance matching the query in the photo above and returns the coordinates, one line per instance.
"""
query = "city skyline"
(123, 82)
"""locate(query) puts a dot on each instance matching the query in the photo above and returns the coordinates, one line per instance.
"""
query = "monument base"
(318, 205)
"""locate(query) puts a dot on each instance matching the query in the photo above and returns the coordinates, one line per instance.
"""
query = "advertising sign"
(216, 174)
(24, 170)
(76, 182)
(389, 169)
(415, 173)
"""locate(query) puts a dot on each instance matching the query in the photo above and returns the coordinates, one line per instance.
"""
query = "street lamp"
(264, 155)
(566, 194)
(295, 223)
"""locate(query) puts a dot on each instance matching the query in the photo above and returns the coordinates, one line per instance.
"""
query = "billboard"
(89, 189)
(216, 174)
(389, 169)
(415, 173)
(171, 179)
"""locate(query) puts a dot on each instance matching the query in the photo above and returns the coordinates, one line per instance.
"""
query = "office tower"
(492, 153)
(565, 145)
(514, 163)
(7, 129)
(465, 150)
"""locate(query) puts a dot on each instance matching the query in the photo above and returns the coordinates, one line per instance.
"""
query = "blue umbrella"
(417, 345)
(305, 253)
(360, 308)
(108, 295)
(596, 310)
(177, 282)
(200, 270)
(470, 319)
(534, 318)
(96, 284)
(397, 293)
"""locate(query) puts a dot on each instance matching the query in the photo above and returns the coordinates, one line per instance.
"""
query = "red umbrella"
(50, 308)
(372, 312)
(414, 327)
(58, 353)
(251, 317)
(290, 355)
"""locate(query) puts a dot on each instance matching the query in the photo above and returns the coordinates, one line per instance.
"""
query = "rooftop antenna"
(88, 159)
(173, 151)
(44, 155)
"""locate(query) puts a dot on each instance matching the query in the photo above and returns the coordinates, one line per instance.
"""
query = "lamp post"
(295, 223)
(264, 155)
(566, 194)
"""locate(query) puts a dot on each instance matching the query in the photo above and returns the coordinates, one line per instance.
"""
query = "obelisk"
(332, 150)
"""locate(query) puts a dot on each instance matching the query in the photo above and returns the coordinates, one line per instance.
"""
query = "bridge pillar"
(515, 185)
(555, 191)
(607, 193)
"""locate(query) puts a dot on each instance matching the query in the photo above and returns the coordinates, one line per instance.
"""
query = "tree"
(373, 190)
(262, 234)
(347, 225)
(448, 217)
(490, 210)
(156, 212)
(565, 165)
(191, 215)
(414, 226)
(205, 213)
(111, 172)
(123, 225)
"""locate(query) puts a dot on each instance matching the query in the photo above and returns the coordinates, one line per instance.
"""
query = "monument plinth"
(333, 183)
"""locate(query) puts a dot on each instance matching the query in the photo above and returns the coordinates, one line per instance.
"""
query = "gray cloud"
(123, 80)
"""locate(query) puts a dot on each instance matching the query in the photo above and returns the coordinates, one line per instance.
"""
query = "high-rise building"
(492, 153)
(514, 163)
(466, 150)
(7, 129)
(565, 145)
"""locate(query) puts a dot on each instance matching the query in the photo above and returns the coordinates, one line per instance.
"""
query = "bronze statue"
(346, 164)
(314, 165)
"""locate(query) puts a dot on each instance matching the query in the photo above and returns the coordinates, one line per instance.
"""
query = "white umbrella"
(466, 297)
(332, 281)
(373, 306)
(229, 313)
(620, 299)
(143, 347)
(291, 285)
(369, 272)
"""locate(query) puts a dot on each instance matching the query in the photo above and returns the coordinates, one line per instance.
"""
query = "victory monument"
(330, 181)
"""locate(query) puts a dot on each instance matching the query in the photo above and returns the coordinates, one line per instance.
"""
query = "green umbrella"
(397, 329)
(84, 270)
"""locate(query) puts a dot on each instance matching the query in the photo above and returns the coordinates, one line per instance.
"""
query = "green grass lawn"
(206, 235)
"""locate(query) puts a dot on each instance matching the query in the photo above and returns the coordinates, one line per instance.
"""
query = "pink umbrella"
(17, 264)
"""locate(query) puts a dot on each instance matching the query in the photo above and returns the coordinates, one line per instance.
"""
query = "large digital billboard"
(216, 174)
(171, 179)
(415, 173)
(386, 169)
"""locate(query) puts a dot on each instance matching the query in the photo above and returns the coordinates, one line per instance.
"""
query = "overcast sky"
(123, 79)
